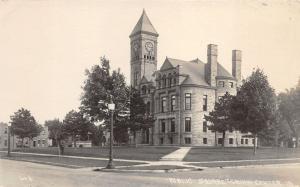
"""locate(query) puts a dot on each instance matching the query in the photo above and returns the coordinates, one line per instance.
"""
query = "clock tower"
(143, 47)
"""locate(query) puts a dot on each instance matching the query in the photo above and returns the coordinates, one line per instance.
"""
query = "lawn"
(223, 154)
(146, 153)
(65, 162)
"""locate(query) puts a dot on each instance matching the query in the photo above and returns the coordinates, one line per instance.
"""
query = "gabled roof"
(144, 26)
(144, 80)
(194, 70)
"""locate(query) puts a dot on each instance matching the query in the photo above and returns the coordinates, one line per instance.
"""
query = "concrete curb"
(119, 170)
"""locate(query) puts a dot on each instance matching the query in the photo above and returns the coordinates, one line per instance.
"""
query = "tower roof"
(144, 26)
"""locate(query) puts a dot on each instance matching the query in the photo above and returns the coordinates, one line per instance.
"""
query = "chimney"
(212, 62)
(236, 65)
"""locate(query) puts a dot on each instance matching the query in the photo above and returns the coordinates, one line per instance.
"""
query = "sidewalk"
(177, 155)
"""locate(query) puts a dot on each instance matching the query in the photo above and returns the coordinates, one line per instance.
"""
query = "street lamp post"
(8, 140)
(111, 107)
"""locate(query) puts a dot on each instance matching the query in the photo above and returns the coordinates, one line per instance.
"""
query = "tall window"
(230, 140)
(163, 126)
(135, 79)
(163, 104)
(220, 140)
(204, 126)
(246, 141)
(148, 107)
(204, 102)
(204, 140)
(173, 102)
(187, 124)
(231, 84)
(144, 89)
(164, 81)
(173, 125)
(242, 141)
(188, 101)
(187, 140)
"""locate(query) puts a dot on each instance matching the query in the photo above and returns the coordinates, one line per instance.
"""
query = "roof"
(194, 70)
(144, 25)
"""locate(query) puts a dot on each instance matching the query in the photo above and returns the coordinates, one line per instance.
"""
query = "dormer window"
(221, 84)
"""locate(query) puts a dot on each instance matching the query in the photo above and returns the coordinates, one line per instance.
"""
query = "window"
(220, 140)
(242, 141)
(253, 141)
(173, 125)
(174, 81)
(171, 140)
(163, 126)
(159, 84)
(187, 125)
(148, 107)
(204, 126)
(246, 141)
(221, 83)
(144, 89)
(135, 79)
(231, 84)
(164, 84)
(5, 131)
(204, 140)
(163, 104)
(230, 140)
(5, 143)
(188, 99)
(161, 140)
(204, 102)
(173, 102)
(187, 140)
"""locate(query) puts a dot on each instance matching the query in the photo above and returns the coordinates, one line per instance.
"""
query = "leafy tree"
(75, 124)
(56, 133)
(220, 117)
(253, 107)
(24, 125)
(289, 106)
(139, 118)
(101, 88)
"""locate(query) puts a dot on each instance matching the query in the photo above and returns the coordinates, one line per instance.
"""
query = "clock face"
(149, 46)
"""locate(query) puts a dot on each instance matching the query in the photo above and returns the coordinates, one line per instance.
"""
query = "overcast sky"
(45, 45)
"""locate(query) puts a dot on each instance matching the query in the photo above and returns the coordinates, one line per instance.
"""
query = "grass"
(131, 153)
(222, 154)
(65, 162)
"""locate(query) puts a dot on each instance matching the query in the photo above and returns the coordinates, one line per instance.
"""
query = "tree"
(24, 125)
(56, 133)
(253, 107)
(75, 124)
(139, 118)
(289, 107)
(220, 116)
(101, 88)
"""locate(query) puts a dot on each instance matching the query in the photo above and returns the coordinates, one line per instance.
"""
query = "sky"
(46, 45)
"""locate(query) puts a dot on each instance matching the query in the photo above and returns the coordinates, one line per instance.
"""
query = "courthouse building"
(181, 92)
